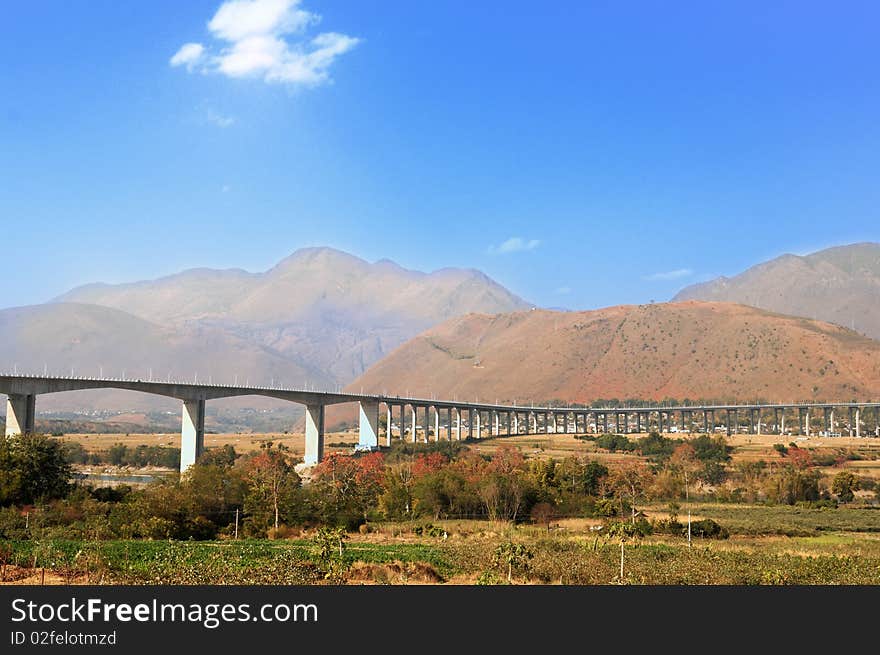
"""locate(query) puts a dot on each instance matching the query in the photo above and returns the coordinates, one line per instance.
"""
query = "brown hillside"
(696, 350)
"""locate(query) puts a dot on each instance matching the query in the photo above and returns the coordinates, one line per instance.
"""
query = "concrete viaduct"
(481, 419)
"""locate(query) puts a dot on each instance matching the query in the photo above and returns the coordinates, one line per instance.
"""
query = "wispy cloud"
(669, 275)
(219, 119)
(266, 38)
(514, 244)
(189, 55)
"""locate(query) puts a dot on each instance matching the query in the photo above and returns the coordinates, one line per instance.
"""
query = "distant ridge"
(695, 350)
(840, 285)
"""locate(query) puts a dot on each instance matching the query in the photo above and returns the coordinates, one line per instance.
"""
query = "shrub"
(615, 442)
(708, 529)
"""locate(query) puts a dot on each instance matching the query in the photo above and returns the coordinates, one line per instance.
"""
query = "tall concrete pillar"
(192, 433)
(415, 423)
(402, 422)
(782, 421)
(660, 422)
(427, 424)
(457, 424)
(314, 434)
(807, 421)
(449, 424)
(388, 422)
(858, 426)
(368, 424)
(706, 421)
(471, 423)
(20, 412)
(729, 416)
(516, 422)
(478, 426)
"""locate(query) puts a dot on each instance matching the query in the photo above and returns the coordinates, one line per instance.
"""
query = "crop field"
(463, 554)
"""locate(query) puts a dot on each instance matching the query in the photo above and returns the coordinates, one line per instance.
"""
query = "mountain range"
(324, 318)
(318, 318)
(840, 285)
(695, 350)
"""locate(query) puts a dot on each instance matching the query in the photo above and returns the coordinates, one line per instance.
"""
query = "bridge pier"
(388, 421)
(314, 434)
(368, 424)
(415, 424)
(20, 412)
(858, 427)
(192, 433)
(477, 418)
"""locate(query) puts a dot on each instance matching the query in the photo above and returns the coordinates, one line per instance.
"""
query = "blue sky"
(583, 154)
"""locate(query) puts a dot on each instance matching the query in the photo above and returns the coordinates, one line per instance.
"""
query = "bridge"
(500, 419)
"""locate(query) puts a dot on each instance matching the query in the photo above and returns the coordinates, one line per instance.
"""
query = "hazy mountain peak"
(317, 256)
(334, 310)
(839, 284)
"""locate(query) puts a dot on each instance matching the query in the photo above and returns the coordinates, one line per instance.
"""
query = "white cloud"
(219, 119)
(189, 55)
(240, 19)
(514, 244)
(670, 275)
(254, 40)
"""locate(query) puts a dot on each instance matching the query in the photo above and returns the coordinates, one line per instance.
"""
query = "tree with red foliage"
(800, 458)
(347, 486)
(428, 463)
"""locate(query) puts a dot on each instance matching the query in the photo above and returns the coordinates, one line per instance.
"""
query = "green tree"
(684, 459)
(328, 546)
(624, 532)
(628, 483)
(32, 468)
(844, 486)
(271, 479)
(512, 556)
